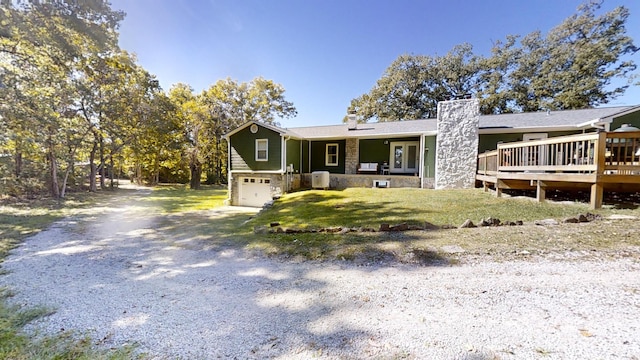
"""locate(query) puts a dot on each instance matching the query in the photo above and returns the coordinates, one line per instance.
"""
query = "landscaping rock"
(384, 227)
(430, 226)
(583, 218)
(546, 222)
(593, 217)
(489, 222)
(415, 227)
(467, 224)
(519, 223)
(400, 227)
(274, 224)
(344, 231)
(571, 220)
(260, 229)
(333, 229)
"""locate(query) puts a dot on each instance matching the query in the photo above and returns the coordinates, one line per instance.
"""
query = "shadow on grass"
(338, 209)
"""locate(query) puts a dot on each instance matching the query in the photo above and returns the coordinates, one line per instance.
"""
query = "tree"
(208, 116)
(40, 47)
(413, 84)
(571, 67)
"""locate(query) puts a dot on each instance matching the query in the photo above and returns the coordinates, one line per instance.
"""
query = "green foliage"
(207, 117)
(571, 67)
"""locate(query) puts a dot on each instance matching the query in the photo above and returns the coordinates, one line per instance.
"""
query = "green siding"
(318, 152)
(305, 156)
(488, 142)
(293, 154)
(429, 156)
(375, 150)
(633, 119)
(243, 150)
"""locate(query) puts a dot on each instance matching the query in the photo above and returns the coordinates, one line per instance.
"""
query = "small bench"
(369, 168)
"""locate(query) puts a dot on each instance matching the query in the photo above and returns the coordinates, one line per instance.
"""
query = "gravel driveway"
(114, 275)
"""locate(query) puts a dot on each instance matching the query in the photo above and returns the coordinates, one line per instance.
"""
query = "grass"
(179, 198)
(358, 207)
(361, 207)
(182, 217)
(19, 220)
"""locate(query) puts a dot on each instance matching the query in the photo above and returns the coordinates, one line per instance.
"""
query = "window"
(262, 149)
(331, 158)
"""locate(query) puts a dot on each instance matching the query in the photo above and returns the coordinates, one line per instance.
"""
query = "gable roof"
(489, 124)
(556, 120)
(369, 130)
(277, 129)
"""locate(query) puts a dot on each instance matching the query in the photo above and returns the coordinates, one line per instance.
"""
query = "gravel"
(117, 278)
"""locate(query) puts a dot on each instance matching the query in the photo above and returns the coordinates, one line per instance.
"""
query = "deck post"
(541, 191)
(499, 185)
(597, 192)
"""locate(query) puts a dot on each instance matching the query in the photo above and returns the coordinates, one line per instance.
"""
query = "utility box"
(320, 179)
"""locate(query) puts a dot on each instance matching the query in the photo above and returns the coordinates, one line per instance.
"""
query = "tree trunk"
(196, 174)
(53, 170)
(92, 167)
(111, 169)
(102, 162)
(18, 164)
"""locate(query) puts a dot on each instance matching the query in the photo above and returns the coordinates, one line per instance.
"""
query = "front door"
(404, 157)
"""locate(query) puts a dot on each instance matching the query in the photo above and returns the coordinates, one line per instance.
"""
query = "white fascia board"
(374, 136)
(487, 131)
(594, 123)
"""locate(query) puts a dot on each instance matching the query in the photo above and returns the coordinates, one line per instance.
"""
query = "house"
(266, 161)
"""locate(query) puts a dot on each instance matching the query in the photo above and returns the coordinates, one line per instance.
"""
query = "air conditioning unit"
(320, 179)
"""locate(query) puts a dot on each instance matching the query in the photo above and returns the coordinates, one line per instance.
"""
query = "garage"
(254, 191)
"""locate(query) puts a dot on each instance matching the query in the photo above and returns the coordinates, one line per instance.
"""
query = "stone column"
(351, 156)
(457, 144)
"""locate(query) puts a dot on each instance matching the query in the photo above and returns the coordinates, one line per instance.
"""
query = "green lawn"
(179, 198)
(183, 215)
(366, 207)
(357, 207)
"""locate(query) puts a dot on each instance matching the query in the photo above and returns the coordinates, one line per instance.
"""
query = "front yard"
(198, 217)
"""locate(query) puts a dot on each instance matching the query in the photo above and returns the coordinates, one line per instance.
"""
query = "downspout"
(229, 172)
(283, 163)
(423, 158)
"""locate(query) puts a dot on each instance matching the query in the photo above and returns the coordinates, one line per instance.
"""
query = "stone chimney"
(457, 144)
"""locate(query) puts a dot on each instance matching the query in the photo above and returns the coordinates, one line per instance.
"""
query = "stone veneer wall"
(351, 156)
(457, 144)
(341, 181)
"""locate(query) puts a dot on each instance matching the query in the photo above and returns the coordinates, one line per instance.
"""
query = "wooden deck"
(599, 162)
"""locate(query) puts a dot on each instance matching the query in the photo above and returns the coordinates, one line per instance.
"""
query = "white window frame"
(326, 154)
(265, 149)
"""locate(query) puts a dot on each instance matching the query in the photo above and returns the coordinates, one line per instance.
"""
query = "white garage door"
(254, 191)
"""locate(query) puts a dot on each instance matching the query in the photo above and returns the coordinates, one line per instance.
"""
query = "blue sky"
(325, 52)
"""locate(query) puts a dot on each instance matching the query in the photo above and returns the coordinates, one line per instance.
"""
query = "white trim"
(534, 136)
(326, 154)
(422, 159)
(266, 150)
(405, 159)
(488, 131)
